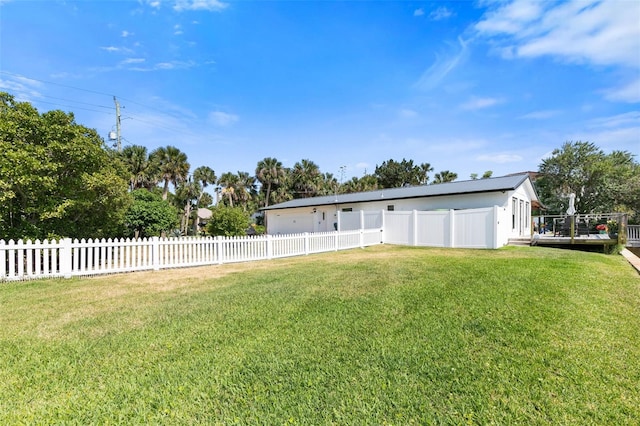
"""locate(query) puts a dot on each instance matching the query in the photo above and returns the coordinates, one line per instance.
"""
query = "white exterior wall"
(513, 217)
(292, 221)
(518, 208)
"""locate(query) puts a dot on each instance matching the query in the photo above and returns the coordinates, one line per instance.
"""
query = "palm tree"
(363, 184)
(423, 173)
(173, 166)
(228, 181)
(246, 189)
(141, 173)
(269, 172)
(187, 194)
(445, 176)
(204, 176)
(306, 178)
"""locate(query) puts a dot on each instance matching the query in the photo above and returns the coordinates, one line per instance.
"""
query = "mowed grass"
(383, 335)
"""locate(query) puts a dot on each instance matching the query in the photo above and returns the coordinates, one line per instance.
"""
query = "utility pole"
(342, 170)
(118, 137)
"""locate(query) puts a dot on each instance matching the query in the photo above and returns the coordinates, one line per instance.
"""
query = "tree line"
(59, 179)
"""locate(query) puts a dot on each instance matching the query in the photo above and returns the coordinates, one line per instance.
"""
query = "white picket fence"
(23, 260)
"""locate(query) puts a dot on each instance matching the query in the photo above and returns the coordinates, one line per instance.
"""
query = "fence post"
(338, 224)
(496, 227)
(66, 257)
(269, 247)
(306, 243)
(220, 249)
(3, 261)
(361, 238)
(382, 227)
(414, 225)
(452, 228)
(361, 219)
(155, 247)
(335, 240)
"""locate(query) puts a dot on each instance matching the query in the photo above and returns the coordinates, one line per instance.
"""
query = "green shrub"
(228, 222)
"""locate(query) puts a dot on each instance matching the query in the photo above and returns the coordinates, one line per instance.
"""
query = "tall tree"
(246, 190)
(602, 183)
(57, 177)
(142, 173)
(205, 176)
(306, 179)
(444, 177)
(362, 184)
(269, 173)
(186, 196)
(394, 174)
(228, 182)
(173, 166)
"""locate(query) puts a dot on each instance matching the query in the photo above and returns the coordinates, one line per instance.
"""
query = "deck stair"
(520, 241)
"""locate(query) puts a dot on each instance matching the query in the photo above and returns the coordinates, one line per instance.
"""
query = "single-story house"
(513, 195)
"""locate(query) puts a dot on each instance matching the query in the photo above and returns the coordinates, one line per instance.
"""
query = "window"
(348, 209)
(391, 208)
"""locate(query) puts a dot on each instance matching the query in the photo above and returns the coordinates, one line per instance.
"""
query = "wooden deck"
(590, 239)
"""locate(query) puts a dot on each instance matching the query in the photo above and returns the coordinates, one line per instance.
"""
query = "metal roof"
(503, 183)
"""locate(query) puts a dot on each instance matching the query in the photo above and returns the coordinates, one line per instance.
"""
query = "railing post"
(66, 257)
(306, 243)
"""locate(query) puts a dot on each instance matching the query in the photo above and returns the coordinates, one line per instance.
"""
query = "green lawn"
(384, 335)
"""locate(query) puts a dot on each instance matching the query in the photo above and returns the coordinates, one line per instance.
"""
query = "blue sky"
(465, 86)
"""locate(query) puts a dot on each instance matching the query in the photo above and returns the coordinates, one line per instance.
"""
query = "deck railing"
(20, 260)
(582, 224)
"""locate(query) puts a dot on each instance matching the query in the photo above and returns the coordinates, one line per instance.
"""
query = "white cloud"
(500, 158)
(132, 61)
(126, 34)
(628, 118)
(223, 119)
(418, 12)
(437, 72)
(578, 31)
(210, 5)
(541, 115)
(629, 93)
(480, 103)
(407, 113)
(174, 65)
(619, 132)
(22, 88)
(177, 29)
(114, 49)
(440, 14)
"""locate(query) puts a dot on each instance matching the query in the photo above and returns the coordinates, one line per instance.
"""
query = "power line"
(68, 106)
(55, 84)
(129, 114)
